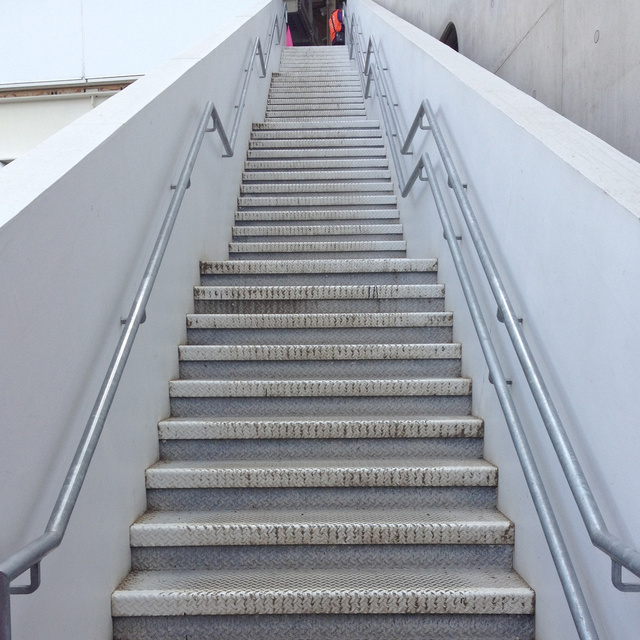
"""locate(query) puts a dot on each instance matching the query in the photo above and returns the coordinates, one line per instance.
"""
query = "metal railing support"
(28, 558)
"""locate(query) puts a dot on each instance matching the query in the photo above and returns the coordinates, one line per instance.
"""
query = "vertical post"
(5, 607)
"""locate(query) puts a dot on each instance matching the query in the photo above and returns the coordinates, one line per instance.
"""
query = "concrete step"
(327, 328)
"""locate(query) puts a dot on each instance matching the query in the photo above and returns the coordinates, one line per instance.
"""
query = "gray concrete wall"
(578, 57)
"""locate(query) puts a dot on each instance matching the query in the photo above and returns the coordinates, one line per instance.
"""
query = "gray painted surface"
(579, 57)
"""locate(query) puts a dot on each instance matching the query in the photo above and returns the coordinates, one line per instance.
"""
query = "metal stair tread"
(278, 187)
(293, 125)
(318, 388)
(191, 474)
(317, 292)
(319, 352)
(322, 591)
(318, 229)
(319, 320)
(291, 215)
(325, 427)
(314, 176)
(317, 247)
(371, 265)
(321, 526)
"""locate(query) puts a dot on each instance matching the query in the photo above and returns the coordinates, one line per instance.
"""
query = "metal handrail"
(28, 558)
(621, 555)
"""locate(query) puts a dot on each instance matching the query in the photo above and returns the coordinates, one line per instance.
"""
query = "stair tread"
(325, 427)
(321, 473)
(319, 320)
(320, 352)
(320, 266)
(322, 526)
(319, 388)
(318, 229)
(322, 591)
(316, 292)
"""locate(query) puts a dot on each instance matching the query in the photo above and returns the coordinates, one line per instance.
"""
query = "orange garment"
(335, 23)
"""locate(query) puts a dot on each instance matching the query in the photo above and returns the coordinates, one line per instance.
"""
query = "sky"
(51, 40)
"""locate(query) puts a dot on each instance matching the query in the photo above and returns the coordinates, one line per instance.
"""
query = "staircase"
(321, 474)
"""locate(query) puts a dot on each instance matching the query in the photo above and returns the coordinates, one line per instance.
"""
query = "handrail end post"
(5, 607)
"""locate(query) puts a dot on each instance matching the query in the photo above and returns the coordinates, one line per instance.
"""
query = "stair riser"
(319, 336)
(299, 370)
(390, 305)
(322, 498)
(327, 627)
(325, 449)
(316, 255)
(320, 557)
(271, 217)
(330, 405)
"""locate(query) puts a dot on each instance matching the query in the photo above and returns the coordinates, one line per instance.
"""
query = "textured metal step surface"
(314, 527)
(320, 175)
(289, 232)
(319, 388)
(278, 592)
(319, 361)
(318, 215)
(319, 328)
(327, 627)
(340, 152)
(319, 292)
(314, 143)
(321, 125)
(316, 188)
(383, 265)
(326, 164)
(301, 200)
(437, 427)
(320, 473)
(320, 352)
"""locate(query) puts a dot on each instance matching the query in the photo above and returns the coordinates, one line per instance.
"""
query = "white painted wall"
(561, 212)
(579, 57)
(78, 220)
(26, 122)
